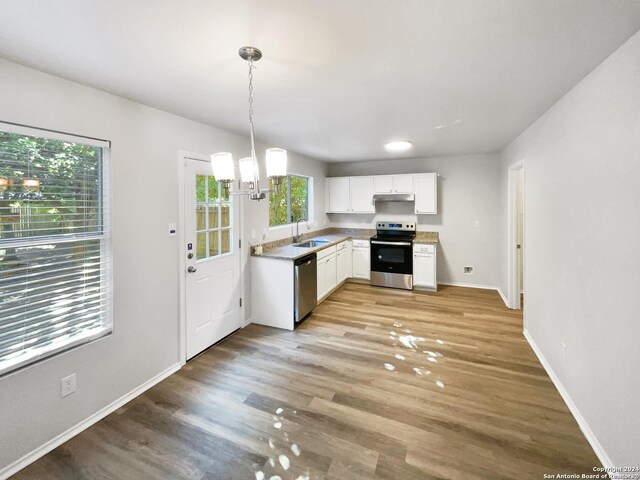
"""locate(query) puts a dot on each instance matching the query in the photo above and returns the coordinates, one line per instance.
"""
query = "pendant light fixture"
(275, 158)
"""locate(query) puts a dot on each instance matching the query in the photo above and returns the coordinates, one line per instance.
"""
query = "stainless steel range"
(392, 255)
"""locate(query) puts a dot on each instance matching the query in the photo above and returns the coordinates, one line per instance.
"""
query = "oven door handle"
(399, 244)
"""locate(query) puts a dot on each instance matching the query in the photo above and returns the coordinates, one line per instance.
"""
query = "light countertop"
(291, 252)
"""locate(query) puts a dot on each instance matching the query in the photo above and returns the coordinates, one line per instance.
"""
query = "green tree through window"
(291, 203)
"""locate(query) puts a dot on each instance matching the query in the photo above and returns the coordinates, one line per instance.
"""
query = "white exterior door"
(212, 286)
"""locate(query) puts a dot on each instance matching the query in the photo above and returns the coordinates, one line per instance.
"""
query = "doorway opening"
(516, 237)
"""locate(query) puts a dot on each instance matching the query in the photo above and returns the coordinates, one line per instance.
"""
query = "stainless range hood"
(394, 197)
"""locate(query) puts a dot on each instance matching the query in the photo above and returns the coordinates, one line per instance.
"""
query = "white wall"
(145, 172)
(582, 275)
(468, 190)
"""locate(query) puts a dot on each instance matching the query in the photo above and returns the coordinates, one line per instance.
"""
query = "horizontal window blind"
(55, 251)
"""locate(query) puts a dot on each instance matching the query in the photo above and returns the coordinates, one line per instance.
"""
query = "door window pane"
(226, 215)
(213, 189)
(201, 188)
(213, 243)
(213, 216)
(201, 211)
(226, 241)
(201, 246)
(213, 219)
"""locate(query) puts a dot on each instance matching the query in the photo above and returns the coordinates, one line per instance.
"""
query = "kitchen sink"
(312, 243)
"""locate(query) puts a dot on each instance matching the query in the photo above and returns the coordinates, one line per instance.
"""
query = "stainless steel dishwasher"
(305, 281)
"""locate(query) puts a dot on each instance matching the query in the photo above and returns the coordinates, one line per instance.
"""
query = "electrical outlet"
(253, 234)
(476, 224)
(564, 351)
(67, 385)
(468, 270)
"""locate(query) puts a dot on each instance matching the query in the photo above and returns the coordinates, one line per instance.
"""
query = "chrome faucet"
(296, 239)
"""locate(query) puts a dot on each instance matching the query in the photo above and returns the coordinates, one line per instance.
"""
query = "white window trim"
(310, 207)
(106, 245)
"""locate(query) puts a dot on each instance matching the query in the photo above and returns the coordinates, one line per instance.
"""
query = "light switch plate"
(172, 230)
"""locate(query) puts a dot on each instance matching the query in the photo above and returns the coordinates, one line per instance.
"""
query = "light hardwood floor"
(376, 384)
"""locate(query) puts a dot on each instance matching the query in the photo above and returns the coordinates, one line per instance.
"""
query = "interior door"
(212, 283)
(520, 233)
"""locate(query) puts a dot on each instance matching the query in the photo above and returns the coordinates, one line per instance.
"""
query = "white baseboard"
(582, 423)
(31, 457)
(504, 297)
(469, 285)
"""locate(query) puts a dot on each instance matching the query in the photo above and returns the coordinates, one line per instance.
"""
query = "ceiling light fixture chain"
(253, 144)
(275, 159)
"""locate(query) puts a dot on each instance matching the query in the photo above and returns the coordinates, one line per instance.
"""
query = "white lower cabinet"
(331, 274)
(327, 274)
(322, 282)
(361, 259)
(334, 267)
(424, 265)
(343, 262)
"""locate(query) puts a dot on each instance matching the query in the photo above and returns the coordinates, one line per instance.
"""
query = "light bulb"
(276, 160)
(222, 164)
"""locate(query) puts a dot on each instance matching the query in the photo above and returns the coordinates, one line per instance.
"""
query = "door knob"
(192, 269)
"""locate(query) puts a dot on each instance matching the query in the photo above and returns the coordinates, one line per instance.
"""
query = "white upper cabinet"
(362, 195)
(393, 183)
(426, 190)
(383, 184)
(338, 195)
(402, 183)
(355, 194)
(350, 195)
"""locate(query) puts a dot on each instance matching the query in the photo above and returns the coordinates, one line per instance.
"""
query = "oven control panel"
(404, 227)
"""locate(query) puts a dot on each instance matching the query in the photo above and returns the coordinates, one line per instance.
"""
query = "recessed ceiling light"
(397, 146)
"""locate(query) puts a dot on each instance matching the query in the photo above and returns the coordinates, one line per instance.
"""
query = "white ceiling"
(339, 78)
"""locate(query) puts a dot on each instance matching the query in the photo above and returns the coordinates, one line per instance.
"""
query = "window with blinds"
(55, 255)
